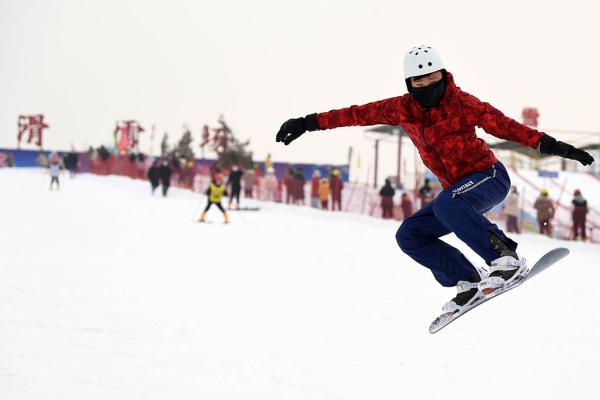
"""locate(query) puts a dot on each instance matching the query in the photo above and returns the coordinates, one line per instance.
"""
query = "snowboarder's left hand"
(293, 128)
(549, 145)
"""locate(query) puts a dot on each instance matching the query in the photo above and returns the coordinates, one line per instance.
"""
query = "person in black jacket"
(234, 181)
(71, 161)
(154, 176)
(580, 210)
(387, 193)
(164, 172)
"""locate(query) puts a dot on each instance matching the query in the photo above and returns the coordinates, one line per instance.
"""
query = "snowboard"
(547, 260)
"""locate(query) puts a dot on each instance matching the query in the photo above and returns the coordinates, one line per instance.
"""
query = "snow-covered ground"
(109, 293)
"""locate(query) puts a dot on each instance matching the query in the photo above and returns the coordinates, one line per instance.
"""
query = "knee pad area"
(405, 237)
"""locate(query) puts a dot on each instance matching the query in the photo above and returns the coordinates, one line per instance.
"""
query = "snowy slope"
(109, 293)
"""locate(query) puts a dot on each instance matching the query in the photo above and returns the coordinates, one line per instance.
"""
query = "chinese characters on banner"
(128, 140)
(220, 139)
(530, 116)
(33, 125)
(205, 136)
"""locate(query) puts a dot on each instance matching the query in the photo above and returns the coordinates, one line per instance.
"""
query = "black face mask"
(429, 96)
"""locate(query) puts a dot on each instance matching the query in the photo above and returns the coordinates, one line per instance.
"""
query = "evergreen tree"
(184, 148)
(164, 145)
(231, 150)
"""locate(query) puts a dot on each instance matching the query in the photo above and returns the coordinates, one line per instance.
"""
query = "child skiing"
(55, 167)
(215, 192)
(440, 119)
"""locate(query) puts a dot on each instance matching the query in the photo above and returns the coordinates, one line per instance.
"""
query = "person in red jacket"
(407, 205)
(336, 185)
(440, 119)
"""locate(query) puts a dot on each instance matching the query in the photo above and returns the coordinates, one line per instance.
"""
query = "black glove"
(549, 145)
(293, 128)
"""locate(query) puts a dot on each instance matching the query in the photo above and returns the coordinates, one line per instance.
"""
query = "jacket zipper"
(433, 149)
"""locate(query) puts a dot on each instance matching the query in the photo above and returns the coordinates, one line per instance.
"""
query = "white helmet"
(422, 60)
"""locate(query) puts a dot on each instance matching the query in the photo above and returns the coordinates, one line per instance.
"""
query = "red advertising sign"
(530, 116)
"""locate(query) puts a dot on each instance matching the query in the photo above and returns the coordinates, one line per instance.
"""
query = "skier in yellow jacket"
(215, 192)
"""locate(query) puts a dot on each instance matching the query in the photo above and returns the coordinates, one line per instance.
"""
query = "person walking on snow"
(164, 173)
(440, 119)
(425, 193)
(270, 183)
(407, 205)
(580, 210)
(249, 178)
(387, 193)
(154, 175)
(235, 182)
(336, 185)
(545, 212)
(512, 211)
(215, 192)
(314, 189)
(324, 193)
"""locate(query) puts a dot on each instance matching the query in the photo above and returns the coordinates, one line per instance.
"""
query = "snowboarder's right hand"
(293, 128)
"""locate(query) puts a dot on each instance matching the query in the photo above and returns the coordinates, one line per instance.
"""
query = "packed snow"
(107, 292)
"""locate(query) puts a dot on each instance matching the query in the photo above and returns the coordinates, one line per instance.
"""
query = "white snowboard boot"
(503, 271)
(467, 293)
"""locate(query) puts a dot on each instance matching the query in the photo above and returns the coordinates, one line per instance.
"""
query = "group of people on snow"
(387, 194)
(160, 173)
(323, 189)
(545, 209)
(56, 164)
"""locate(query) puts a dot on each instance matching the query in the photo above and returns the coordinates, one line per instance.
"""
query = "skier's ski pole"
(198, 204)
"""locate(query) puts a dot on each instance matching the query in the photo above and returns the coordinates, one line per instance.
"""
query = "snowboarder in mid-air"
(215, 192)
(440, 119)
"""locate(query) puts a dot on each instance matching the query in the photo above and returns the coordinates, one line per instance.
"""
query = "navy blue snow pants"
(458, 209)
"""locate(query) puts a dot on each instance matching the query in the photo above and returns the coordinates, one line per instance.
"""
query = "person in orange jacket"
(324, 193)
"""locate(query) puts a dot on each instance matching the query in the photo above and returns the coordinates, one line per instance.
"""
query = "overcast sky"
(85, 64)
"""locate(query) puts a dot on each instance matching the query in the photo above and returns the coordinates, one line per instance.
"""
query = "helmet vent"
(429, 63)
(420, 66)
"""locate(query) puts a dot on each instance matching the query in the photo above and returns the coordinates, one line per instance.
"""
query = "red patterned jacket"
(445, 135)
